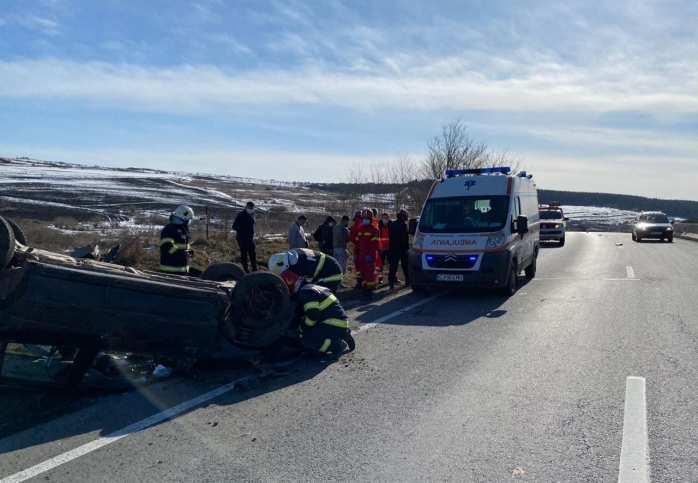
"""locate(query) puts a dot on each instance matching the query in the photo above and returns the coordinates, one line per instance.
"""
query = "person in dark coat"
(322, 324)
(175, 251)
(399, 248)
(244, 234)
(323, 235)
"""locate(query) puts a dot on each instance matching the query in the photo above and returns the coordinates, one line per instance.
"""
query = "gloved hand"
(356, 258)
(369, 258)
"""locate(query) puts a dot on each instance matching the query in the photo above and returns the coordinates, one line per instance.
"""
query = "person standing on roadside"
(399, 250)
(296, 234)
(340, 238)
(353, 238)
(383, 244)
(323, 235)
(244, 234)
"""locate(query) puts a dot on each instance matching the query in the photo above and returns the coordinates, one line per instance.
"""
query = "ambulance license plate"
(442, 277)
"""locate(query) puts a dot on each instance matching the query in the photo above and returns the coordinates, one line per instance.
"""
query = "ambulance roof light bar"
(452, 173)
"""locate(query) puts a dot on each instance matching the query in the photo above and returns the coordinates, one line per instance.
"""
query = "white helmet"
(282, 261)
(183, 215)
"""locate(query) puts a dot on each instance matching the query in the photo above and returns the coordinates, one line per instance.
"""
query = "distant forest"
(678, 208)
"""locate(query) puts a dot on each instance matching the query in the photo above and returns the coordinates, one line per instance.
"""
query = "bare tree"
(453, 149)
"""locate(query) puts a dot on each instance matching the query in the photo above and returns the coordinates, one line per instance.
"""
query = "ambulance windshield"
(465, 214)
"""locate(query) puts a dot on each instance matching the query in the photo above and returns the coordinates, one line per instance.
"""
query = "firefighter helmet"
(367, 214)
(357, 214)
(292, 280)
(282, 261)
(182, 215)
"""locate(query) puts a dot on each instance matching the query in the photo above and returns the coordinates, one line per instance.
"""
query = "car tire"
(512, 281)
(670, 239)
(531, 269)
(633, 236)
(562, 241)
(19, 234)
(261, 310)
(223, 272)
(7, 243)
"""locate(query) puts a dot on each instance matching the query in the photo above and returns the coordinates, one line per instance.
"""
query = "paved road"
(467, 387)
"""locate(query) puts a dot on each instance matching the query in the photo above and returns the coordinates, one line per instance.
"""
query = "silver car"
(653, 224)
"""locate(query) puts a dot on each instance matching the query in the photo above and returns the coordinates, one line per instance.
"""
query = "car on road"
(80, 309)
(553, 223)
(652, 225)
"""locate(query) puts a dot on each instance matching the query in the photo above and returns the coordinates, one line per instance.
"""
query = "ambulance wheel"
(7, 243)
(512, 281)
(531, 269)
(223, 272)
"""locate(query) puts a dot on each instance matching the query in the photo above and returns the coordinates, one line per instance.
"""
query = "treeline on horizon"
(679, 208)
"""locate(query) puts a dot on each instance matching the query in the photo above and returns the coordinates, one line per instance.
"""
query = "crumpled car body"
(56, 300)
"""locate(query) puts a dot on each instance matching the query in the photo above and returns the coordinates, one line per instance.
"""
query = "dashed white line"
(633, 454)
(61, 459)
(629, 271)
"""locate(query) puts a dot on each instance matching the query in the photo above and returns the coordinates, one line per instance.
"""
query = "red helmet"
(292, 280)
(403, 212)
(357, 214)
(367, 214)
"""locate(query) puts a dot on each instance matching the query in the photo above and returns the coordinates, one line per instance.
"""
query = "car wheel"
(7, 243)
(562, 241)
(512, 281)
(261, 310)
(19, 234)
(531, 269)
(223, 272)
(634, 237)
(639, 239)
(670, 239)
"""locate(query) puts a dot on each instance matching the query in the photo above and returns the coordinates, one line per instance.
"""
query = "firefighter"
(323, 325)
(399, 250)
(316, 267)
(367, 241)
(353, 238)
(383, 244)
(175, 252)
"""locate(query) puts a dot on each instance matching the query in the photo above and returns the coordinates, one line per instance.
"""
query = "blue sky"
(596, 96)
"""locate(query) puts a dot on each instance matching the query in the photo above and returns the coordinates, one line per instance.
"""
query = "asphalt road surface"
(467, 387)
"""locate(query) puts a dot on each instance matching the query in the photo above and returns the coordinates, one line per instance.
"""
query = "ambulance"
(478, 228)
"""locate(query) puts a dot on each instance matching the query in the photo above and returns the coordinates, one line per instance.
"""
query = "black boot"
(350, 341)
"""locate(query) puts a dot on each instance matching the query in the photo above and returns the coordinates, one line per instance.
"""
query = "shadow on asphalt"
(476, 303)
(125, 409)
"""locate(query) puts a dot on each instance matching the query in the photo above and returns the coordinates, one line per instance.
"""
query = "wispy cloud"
(548, 87)
(33, 22)
(231, 42)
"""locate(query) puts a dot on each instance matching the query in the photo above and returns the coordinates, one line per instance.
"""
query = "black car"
(653, 224)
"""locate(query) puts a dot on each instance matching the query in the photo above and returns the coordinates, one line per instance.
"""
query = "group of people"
(313, 277)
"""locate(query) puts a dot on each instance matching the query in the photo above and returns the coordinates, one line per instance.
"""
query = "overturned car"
(78, 310)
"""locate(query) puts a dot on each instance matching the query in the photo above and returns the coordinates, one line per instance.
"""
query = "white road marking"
(394, 314)
(583, 279)
(633, 454)
(61, 459)
(630, 272)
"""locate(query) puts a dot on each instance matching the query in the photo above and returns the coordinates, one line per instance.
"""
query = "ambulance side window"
(517, 207)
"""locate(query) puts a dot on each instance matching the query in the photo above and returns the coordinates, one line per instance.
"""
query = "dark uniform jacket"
(399, 237)
(320, 307)
(316, 267)
(174, 245)
(244, 227)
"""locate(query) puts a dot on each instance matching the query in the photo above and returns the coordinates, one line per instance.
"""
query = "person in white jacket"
(296, 234)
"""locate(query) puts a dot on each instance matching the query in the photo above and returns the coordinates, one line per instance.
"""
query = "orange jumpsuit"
(368, 249)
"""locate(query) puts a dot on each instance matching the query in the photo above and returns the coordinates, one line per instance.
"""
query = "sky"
(593, 95)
